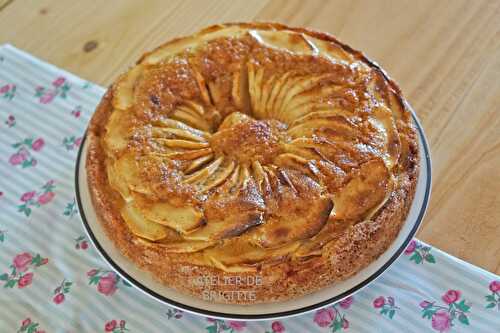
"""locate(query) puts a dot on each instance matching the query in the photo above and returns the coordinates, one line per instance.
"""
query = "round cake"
(252, 162)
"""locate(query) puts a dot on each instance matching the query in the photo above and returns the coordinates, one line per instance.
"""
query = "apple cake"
(252, 162)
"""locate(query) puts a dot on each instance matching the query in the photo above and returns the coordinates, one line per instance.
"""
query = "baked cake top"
(244, 145)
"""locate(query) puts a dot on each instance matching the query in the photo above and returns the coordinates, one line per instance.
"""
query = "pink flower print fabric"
(8, 91)
(107, 282)
(36, 199)
(23, 155)
(332, 317)
(22, 270)
(60, 291)
(60, 87)
(493, 299)
(116, 326)
(386, 305)
(443, 317)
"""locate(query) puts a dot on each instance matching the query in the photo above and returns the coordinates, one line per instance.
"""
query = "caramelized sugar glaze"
(253, 149)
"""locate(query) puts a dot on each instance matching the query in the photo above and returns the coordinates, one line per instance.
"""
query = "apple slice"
(244, 177)
(304, 152)
(294, 162)
(384, 122)
(285, 159)
(116, 182)
(230, 214)
(292, 226)
(195, 107)
(310, 95)
(238, 254)
(239, 91)
(183, 144)
(123, 90)
(295, 89)
(202, 174)
(218, 177)
(230, 185)
(215, 93)
(200, 80)
(232, 120)
(118, 130)
(128, 168)
(367, 189)
(198, 163)
(323, 113)
(266, 90)
(345, 154)
(178, 246)
(301, 210)
(336, 125)
(183, 219)
(260, 175)
(187, 155)
(255, 76)
(190, 118)
(140, 225)
(279, 111)
(329, 174)
(331, 231)
(166, 133)
(233, 225)
(330, 50)
(171, 123)
(294, 42)
(277, 90)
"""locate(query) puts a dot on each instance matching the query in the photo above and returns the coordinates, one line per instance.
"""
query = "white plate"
(143, 281)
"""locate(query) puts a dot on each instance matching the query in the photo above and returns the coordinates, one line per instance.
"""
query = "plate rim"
(274, 315)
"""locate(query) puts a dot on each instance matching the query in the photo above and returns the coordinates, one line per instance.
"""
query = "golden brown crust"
(352, 250)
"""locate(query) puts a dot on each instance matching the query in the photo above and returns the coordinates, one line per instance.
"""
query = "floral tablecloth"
(52, 280)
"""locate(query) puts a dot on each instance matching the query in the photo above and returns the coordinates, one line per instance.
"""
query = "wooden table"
(444, 54)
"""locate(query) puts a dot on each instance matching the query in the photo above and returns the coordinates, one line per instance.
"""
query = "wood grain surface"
(444, 54)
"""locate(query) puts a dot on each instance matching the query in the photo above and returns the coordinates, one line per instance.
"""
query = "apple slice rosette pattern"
(253, 149)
